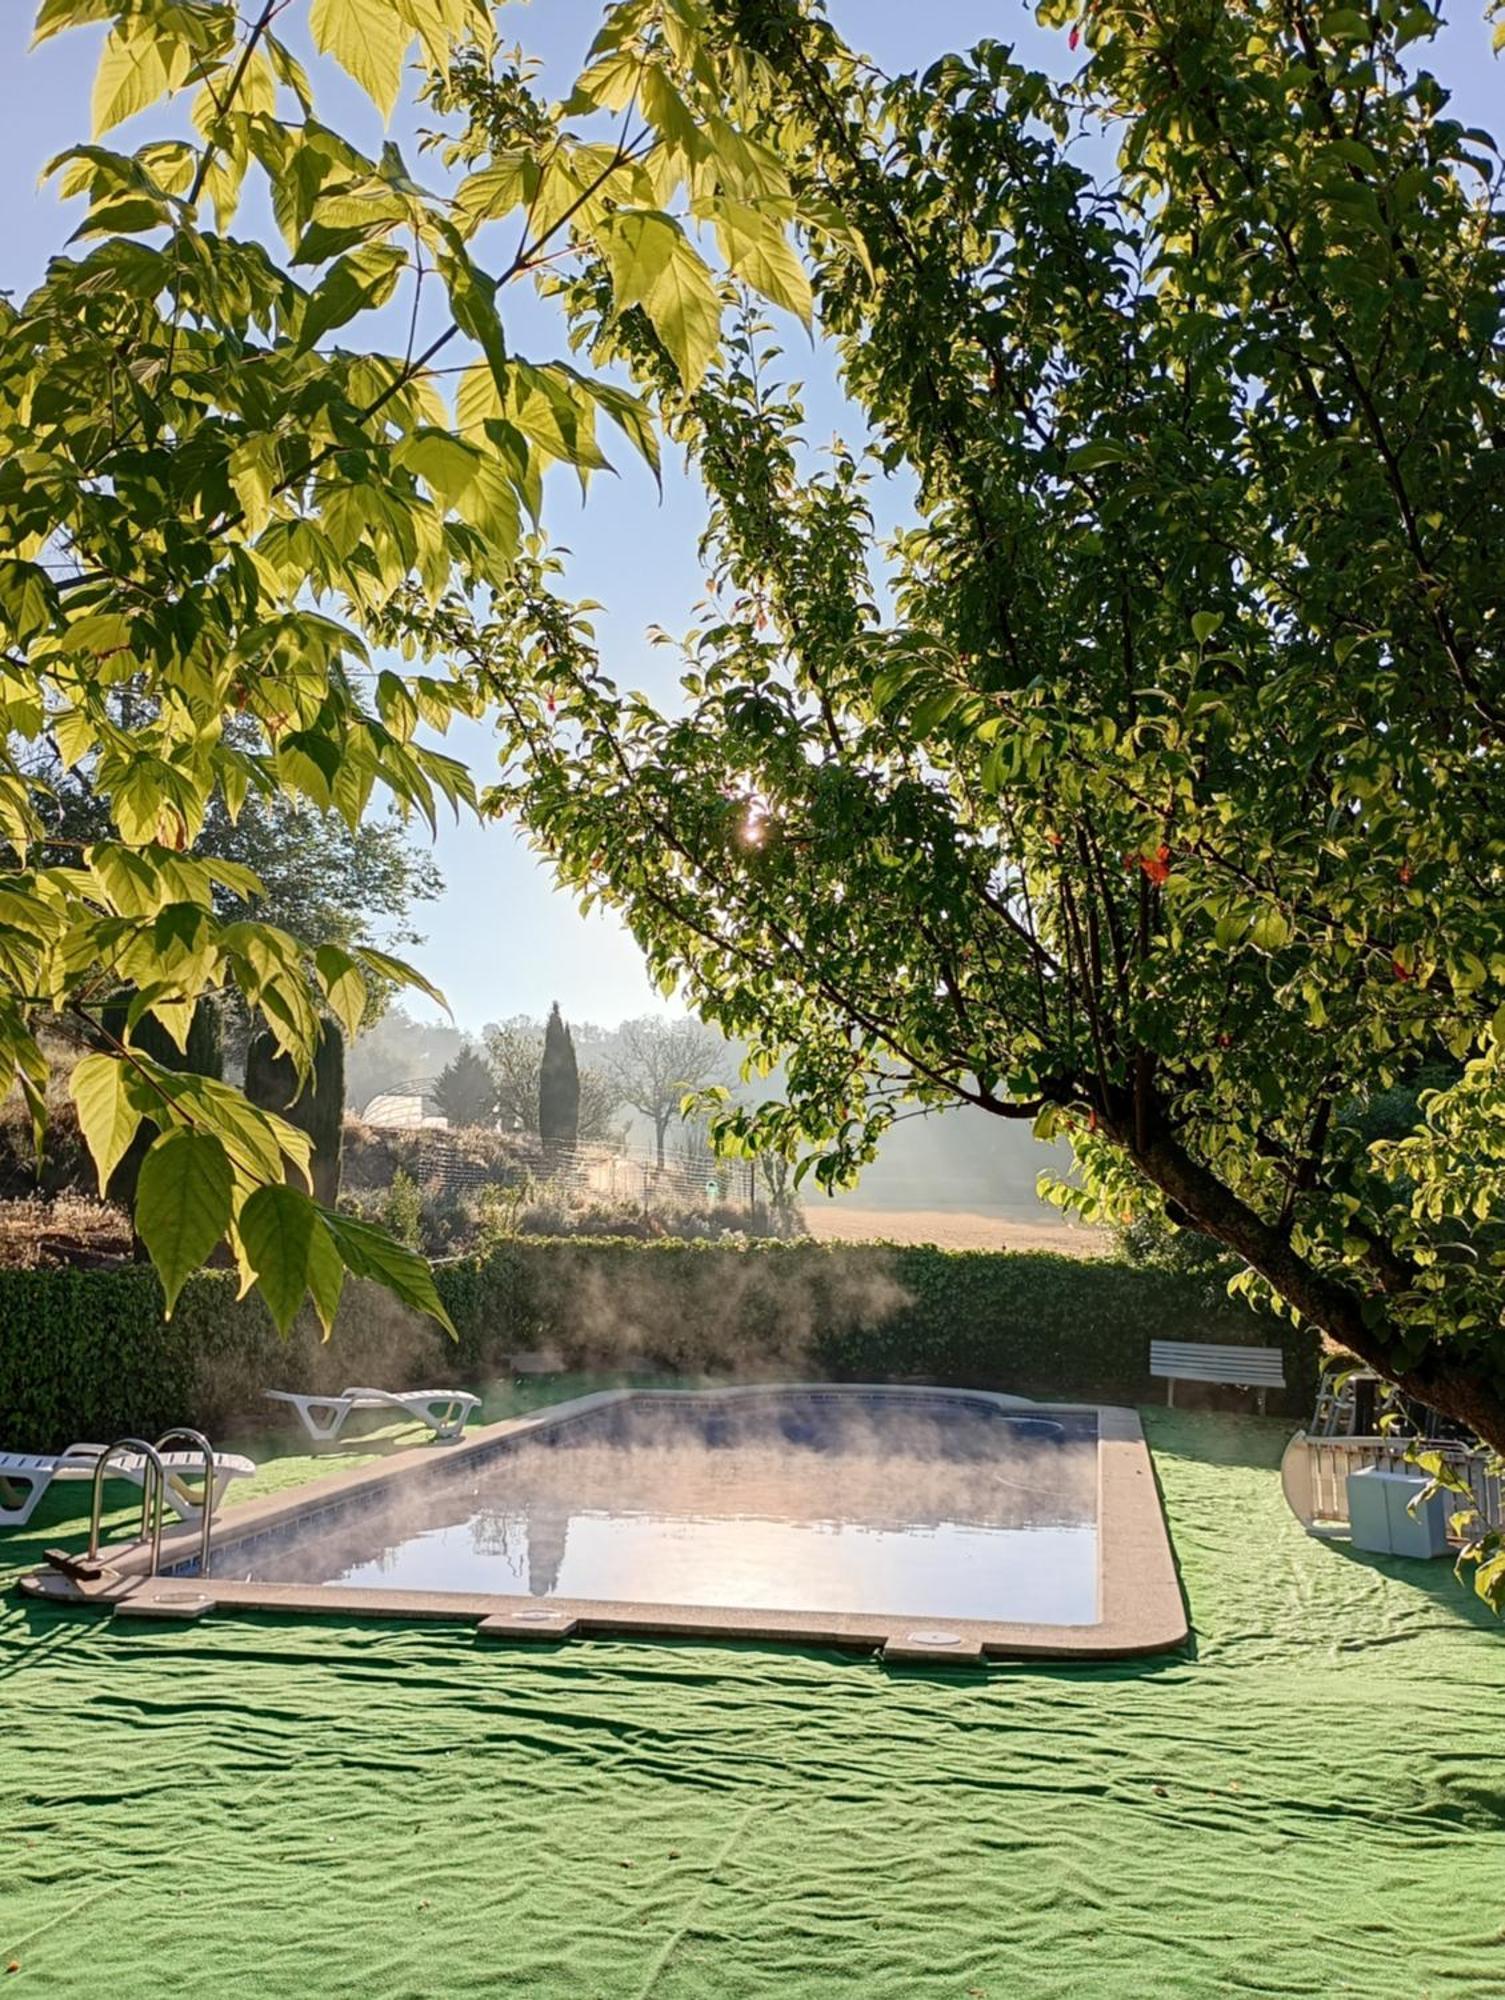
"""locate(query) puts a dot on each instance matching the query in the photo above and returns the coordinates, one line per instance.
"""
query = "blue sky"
(503, 940)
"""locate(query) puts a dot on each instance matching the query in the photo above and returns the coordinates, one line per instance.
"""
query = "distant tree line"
(563, 1084)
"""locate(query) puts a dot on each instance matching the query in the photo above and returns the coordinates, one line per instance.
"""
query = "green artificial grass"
(1311, 1801)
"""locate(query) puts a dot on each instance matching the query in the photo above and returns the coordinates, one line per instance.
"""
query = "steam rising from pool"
(930, 1504)
(736, 1318)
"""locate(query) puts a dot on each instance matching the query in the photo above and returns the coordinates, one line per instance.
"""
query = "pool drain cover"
(164, 1604)
(533, 1624)
(933, 1643)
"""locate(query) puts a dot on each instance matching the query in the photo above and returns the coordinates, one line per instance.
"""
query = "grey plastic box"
(1380, 1516)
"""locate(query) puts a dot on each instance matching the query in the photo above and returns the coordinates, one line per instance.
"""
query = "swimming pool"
(938, 1507)
(933, 1523)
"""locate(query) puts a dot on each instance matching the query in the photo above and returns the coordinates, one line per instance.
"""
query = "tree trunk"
(1340, 1312)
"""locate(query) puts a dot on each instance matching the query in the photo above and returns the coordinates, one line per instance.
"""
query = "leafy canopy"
(222, 472)
(1148, 786)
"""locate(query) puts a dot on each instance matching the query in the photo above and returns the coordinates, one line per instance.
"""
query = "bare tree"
(656, 1063)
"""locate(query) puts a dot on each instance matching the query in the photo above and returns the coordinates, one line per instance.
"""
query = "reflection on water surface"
(943, 1507)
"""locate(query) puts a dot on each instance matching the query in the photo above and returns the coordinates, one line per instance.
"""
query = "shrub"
(86, 1353)
(400, 1209)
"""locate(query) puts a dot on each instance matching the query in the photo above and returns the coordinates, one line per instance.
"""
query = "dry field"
(951, 1229)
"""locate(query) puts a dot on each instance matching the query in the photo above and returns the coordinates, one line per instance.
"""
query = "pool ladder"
(154, 1493)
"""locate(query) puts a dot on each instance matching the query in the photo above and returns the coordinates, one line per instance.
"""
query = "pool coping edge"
(1140, 1603)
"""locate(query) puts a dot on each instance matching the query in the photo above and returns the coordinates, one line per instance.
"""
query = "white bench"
(1261, 1368)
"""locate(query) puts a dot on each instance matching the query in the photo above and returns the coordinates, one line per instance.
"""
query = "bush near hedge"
(86, 1354)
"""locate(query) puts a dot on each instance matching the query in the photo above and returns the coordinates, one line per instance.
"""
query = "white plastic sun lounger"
(26, 1476)
(445, 1412)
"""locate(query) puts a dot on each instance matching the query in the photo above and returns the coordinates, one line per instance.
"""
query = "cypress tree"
(272, 1083)
(558, 1085)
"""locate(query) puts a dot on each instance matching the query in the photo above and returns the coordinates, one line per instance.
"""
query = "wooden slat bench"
(1261, 1368)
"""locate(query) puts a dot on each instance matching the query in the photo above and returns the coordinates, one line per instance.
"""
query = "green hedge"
(85, 1354)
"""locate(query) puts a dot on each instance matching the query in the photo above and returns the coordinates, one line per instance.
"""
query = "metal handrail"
(153, 1486)
(206, 1512)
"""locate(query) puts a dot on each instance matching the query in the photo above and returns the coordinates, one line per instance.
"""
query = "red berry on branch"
(1073, 38)
(1404, 871)
(1400, 971)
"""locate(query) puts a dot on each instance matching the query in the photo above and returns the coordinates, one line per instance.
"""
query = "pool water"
(942, 1505)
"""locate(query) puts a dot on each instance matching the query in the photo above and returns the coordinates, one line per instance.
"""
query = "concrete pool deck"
(1140, 1606)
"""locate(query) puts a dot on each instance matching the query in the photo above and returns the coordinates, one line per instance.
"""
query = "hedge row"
(87, 1354)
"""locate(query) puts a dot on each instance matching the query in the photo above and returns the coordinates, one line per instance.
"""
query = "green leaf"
(344, 988)
(472, 300)
(932, 709)
(1088, 457)
(276, 1230)
(106, 1116)
(323, 240)
(445, 463)
(55, 15)
(757, 249)
(1345, 24)
(399, 972)
(290, 71)
(253, 471)
(1270, 931)
(370, 1253)
(549, 405)
(257, 1141)
(369, 39)
(359, 282)
(182, 1205)
(654, 265)
(28, 600)
(326, 1274)
(1204, 624)
(634, 418)
(308, 763)
(478, 401)
(496, 190)
(36, 1103)
(133, 72)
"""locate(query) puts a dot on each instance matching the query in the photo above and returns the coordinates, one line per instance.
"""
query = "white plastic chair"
(34, 1472)
(445, 1412)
